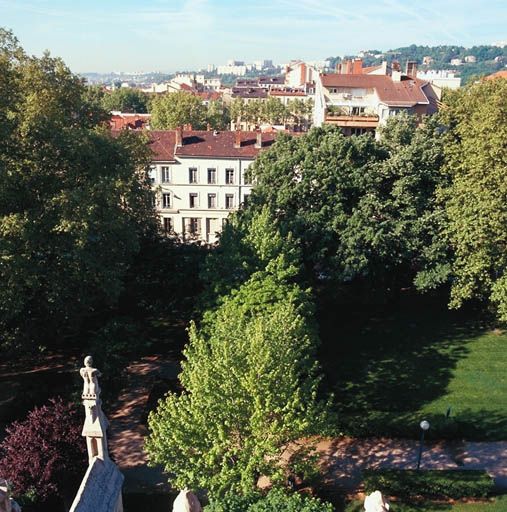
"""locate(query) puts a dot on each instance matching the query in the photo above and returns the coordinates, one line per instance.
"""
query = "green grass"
(390, 371)
(496, 505)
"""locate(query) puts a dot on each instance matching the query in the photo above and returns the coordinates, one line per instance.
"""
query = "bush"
(429, 484)
(44, 455)
(275, 501)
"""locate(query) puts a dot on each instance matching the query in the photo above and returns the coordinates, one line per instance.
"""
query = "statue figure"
(186, 501)
(7, 504)
(375, 502)
(90, 378)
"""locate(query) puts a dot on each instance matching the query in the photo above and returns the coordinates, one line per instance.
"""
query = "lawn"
(496, 505)
(389, 371)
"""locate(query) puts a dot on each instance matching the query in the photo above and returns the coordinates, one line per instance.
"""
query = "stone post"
(95, 424)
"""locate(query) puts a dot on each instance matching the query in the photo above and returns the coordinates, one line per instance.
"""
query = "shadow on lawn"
(384, 367)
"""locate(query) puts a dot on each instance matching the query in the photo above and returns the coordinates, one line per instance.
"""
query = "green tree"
(360, 209)
(275, 500)
(177, 109)
(249, 380)
(476, 199)
(74, 201)
(126, 99)
(249, 392)
(218, 115)
(273, 111)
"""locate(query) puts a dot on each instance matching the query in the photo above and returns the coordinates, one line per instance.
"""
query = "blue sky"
(169, 35)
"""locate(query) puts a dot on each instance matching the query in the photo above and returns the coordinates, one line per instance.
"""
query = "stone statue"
(186, 501)
(90, 376)
(375, 502)
(7, 504)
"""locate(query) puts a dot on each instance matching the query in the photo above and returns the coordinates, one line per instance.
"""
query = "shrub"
(429, 484)
(275, 501)
(43, 455)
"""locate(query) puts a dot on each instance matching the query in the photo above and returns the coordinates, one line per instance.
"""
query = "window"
(166, 200)
(212, 200)
(153, 200)
(229, 201)
(166, 174)
(193, 200)
(168, 224)
(247, 178)
(192, 175)
(193, 226)
(152, 175)
(246, 199)
(357, 111)
(212, 176)
(229, 176)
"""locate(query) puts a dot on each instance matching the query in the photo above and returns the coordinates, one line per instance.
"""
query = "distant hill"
(488, 58)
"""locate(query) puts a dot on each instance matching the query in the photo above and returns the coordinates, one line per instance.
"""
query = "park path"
(128, 423)
(343, 459)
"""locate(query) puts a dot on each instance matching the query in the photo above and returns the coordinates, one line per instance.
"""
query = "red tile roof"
(282, 92)
(498, 74)
(206, 144)
(125, 121)
(209, 95)
(405, 93)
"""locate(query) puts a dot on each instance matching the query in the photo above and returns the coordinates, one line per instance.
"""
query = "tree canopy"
(74, 200)
(249, 389)
(126, 99)
(475, 201)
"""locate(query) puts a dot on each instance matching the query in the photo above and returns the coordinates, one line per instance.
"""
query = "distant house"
(470, 59)
(199, 177)
(359, 100)
(127, 121)
(456, 62)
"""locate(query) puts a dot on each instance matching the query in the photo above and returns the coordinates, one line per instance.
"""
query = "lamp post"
(424, 426)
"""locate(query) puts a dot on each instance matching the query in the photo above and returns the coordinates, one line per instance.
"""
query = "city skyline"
(176, 35)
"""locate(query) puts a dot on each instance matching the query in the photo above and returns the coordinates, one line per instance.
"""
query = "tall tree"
(250, 384)
(74, 201)
(361, 209)
(476, 200)
(177, 109)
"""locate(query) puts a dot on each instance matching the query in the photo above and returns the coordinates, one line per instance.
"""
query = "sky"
(171, 35)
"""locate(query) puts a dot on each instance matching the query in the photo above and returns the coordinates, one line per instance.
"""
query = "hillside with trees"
(489, 58)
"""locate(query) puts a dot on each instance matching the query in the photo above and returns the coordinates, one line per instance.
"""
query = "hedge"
(442, 484)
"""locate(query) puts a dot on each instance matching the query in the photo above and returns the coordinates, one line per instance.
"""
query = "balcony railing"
(353, 121)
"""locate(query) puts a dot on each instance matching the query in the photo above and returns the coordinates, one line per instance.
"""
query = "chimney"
(357, 67)
(411, 68)
(179, 137)
(395, 65)
(258, 142)
(396, 75)
(348, 67)
(237, 139)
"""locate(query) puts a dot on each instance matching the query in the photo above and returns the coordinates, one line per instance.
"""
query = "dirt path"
(128, 423)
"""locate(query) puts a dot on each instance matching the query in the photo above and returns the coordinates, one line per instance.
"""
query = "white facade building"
(199, 177)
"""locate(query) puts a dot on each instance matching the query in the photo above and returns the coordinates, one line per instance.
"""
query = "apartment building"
(359, 100)
(199, 177)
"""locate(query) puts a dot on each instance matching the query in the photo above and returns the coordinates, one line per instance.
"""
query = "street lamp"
(425, 425)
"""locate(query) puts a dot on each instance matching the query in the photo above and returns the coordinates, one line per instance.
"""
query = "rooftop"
(405, 93)
(201, 143)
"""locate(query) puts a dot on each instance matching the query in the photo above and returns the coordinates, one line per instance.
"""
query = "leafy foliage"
(442, 484)
(360, 209)
(74, 201)
(475, 201)
(126, 99)
(45, 453)
(177, 109)
(250, 384)
(275, 500)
